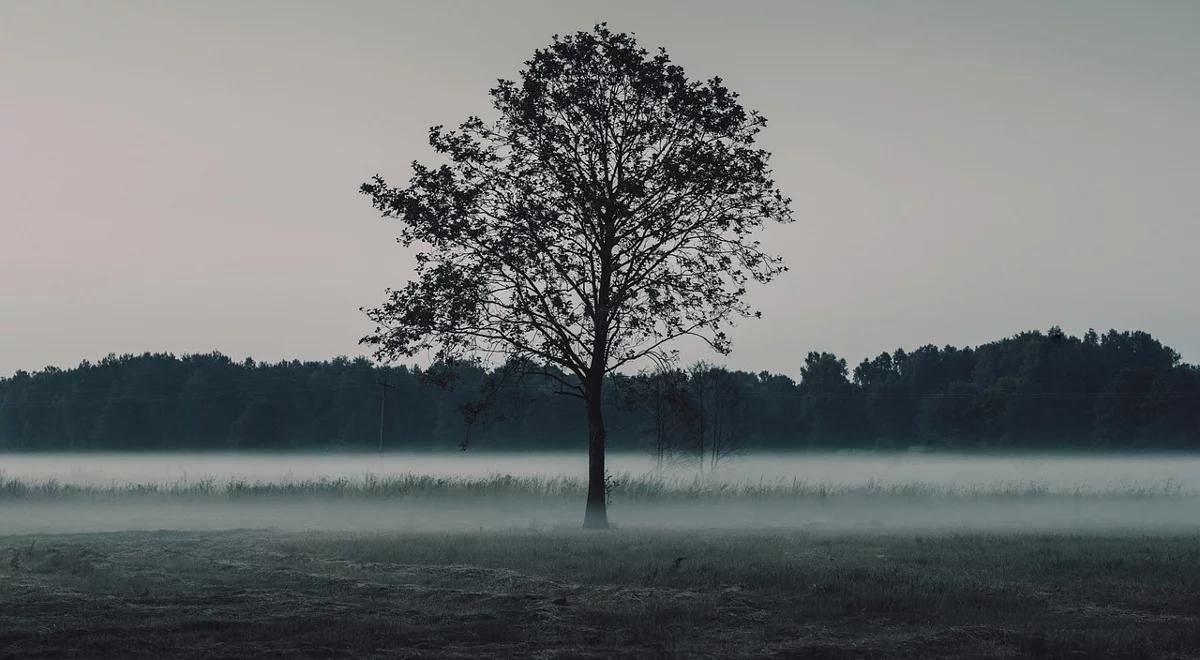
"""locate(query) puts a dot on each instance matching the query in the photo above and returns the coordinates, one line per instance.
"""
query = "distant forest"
(1119, 390)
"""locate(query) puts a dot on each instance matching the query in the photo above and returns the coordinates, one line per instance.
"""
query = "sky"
(183, 177)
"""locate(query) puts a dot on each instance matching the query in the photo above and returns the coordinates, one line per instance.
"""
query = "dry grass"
(628, 488)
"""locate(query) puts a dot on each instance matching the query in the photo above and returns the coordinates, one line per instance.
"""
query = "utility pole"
(383, 388)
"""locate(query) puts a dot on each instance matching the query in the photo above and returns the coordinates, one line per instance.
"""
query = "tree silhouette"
(609, 209)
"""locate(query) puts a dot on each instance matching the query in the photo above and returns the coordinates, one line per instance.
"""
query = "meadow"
(279, 562)
(625, 593)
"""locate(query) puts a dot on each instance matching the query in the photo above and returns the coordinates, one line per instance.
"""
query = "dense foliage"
(1034, 390)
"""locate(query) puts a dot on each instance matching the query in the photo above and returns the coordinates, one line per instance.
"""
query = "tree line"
(1119, 390)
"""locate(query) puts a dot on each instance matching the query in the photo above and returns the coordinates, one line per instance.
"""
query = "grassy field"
(622, 593)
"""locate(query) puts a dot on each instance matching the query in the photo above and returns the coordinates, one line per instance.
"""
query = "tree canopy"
(1035, 390)
(610, 206)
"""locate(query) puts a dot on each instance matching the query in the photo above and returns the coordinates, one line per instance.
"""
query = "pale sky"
(183, 176)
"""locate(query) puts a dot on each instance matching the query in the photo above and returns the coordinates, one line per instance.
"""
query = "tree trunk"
(596, 515)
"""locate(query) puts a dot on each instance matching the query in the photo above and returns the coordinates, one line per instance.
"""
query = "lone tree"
(608, 210)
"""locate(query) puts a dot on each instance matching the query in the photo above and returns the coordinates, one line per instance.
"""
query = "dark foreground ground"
(624, 593)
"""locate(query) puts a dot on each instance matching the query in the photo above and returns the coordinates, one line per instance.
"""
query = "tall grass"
(627, 488)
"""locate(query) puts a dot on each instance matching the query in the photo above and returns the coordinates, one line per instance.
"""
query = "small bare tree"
(713, 408)
(661, 395)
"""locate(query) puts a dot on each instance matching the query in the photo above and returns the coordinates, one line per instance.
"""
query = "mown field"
(624, 593)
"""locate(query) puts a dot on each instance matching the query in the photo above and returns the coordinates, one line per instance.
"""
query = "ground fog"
(828, 492)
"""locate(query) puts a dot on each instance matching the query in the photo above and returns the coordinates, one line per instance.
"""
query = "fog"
(909, 492)
(1067, 472)
(836, 515)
